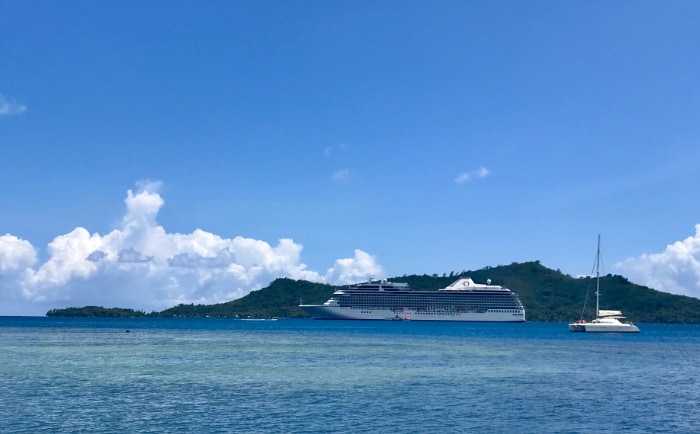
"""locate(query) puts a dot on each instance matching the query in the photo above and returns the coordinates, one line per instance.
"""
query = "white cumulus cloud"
(15, 254)
(358, 268)
(464, 177)
(10, 107)
(676, 270)
(142, 266)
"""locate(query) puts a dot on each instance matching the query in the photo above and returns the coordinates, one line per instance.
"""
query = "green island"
(548, 296)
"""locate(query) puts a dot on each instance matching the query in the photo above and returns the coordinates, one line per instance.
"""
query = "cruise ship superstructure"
(463, 300)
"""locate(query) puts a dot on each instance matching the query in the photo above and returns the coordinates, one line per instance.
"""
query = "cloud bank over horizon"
(140, 265)
(675, 270)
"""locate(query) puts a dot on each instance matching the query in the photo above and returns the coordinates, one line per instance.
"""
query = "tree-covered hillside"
(547, 295)
(280, 299)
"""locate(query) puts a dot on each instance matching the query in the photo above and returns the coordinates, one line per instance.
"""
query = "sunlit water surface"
(225, 375)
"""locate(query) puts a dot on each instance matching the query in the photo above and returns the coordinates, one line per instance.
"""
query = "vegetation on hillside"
(281, 299)
(97, 311)
(547, 295)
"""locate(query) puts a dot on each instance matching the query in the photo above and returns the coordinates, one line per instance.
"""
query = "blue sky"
(158, 152)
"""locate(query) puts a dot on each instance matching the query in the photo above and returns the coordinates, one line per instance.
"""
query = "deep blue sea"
(311, 376)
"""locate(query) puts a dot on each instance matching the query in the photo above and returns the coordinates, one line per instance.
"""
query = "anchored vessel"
(463, 300)
(606, 321)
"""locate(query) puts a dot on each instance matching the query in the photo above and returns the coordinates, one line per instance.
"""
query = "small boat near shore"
(606, 321)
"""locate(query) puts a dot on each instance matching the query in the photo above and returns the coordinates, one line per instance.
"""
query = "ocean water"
(310, 376)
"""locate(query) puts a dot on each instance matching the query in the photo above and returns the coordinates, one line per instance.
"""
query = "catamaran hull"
(347, 313)
(607, 328)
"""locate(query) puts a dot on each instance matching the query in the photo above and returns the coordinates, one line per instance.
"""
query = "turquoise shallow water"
(218, 375)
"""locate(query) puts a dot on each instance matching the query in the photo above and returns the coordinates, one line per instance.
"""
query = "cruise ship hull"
(348, 313)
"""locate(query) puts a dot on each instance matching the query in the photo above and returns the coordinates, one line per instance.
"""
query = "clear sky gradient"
(163, 152)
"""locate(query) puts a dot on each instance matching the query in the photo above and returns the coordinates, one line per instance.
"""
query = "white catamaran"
(606, 321)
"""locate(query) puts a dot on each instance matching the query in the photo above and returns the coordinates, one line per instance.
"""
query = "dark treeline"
(97, 311)
(548, 295)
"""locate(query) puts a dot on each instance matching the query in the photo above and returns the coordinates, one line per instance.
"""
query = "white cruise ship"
(463, 300)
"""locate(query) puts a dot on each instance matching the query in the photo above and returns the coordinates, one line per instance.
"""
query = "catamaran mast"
(597, 280)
